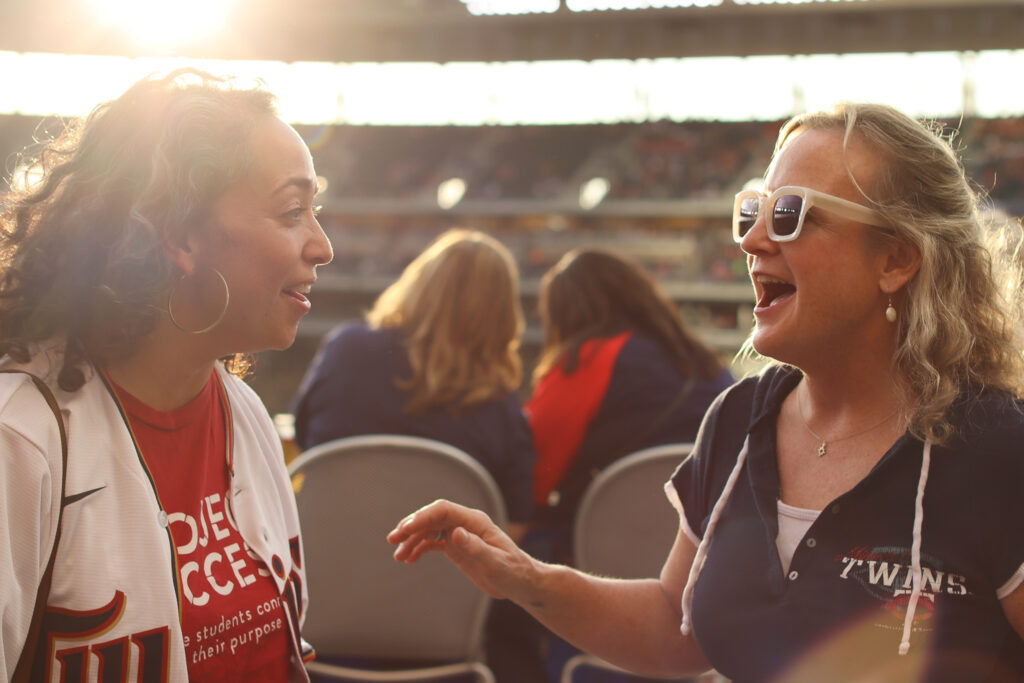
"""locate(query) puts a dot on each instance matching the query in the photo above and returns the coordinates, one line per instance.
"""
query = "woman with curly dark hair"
(171, 228)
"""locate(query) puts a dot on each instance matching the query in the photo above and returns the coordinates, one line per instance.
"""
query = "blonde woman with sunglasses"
(853, 512)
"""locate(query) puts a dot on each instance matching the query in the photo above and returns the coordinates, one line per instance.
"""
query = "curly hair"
(596, 292)
(960, 330)
(83, 229)
(457, 305)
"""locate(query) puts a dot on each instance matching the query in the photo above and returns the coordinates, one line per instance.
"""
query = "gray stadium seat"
(363, 604)
(625, 525)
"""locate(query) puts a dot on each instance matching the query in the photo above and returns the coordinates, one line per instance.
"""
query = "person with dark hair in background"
(172, 227)
(619, 371)
(854, 512)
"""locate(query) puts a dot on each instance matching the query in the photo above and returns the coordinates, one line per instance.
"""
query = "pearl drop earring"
(890, 312)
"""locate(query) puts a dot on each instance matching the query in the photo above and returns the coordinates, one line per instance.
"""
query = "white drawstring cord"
(915, 550)
(702, 548)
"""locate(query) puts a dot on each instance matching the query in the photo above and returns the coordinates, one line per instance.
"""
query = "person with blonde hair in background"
(437, 357)
(147, 523)
(854, 511)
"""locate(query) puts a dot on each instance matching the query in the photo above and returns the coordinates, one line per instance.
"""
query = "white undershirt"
(793, 525)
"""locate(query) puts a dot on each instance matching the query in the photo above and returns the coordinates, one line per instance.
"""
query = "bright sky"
(159, 24)
(940, 84)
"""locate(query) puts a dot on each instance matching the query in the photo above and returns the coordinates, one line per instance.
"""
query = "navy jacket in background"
(350, 390)
(625, 395)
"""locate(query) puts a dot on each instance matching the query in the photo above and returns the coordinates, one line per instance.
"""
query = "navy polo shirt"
(838, 614)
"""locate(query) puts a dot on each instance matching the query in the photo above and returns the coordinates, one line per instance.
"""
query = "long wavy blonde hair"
(960, 330)
(458, 306)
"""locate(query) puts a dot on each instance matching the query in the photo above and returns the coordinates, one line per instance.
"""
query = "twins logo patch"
(887, 575)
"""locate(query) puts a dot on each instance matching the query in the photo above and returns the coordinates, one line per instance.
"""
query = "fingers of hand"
(412, 547)
(488, 566)
(423, 518)
(439, 515)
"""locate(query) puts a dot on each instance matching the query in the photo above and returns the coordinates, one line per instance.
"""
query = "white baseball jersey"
(115, 597)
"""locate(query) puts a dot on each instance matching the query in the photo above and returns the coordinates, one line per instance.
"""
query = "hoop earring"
(223, 310)
(890, 312)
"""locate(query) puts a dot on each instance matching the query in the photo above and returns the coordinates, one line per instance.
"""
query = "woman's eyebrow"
(302, 182)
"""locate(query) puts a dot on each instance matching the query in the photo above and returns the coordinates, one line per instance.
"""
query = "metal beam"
(437, 31)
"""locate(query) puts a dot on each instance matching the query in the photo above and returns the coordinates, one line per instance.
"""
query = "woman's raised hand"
(474, 543)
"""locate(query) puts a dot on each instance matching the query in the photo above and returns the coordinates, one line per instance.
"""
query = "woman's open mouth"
(299, 294)
(772, 291)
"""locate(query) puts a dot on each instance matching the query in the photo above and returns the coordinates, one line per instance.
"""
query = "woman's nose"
(756, 240)
(319, 250)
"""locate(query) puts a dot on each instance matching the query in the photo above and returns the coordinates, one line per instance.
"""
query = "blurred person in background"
(619, 371)
(172, 227)
(438, 357)
(854, 511)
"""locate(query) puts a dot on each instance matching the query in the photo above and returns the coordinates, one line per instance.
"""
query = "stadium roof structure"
(446, 31)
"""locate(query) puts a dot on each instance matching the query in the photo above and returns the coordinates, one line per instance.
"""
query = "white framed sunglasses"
(787, 207)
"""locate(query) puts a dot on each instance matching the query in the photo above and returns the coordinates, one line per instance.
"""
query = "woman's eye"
(299, 212)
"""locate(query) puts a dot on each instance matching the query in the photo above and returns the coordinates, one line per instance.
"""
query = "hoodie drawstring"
(915, 549)
(702, 549)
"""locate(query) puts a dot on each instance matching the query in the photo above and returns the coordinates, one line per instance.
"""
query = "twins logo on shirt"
(887, 575)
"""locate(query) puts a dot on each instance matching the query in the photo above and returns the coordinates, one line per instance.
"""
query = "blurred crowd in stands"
(995, 161)
(694, 168)
(660, 160)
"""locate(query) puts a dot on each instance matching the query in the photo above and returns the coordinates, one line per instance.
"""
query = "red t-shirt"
(232, 618)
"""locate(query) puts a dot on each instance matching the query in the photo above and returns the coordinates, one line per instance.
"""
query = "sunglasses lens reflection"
(786, 214)
(747, 215)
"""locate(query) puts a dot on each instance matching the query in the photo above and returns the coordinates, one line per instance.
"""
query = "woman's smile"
(771, 292)
(299, 295)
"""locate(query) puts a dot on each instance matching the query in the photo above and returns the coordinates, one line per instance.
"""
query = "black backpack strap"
(23, 671)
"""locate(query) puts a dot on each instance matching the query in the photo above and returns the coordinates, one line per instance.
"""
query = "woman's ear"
(180, 252)
(902, 261)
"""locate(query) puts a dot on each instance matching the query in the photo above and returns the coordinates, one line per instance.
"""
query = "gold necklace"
(824, 443)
